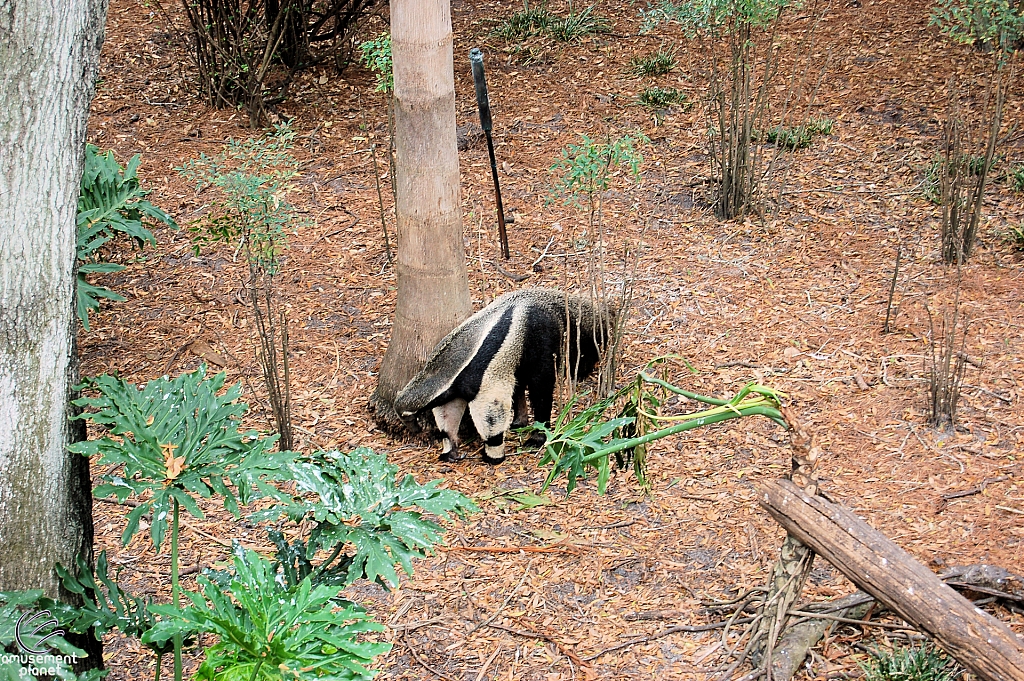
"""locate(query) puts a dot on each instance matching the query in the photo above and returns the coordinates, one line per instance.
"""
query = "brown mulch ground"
(796, 302)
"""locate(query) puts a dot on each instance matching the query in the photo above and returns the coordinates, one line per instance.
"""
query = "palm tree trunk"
(433, 287)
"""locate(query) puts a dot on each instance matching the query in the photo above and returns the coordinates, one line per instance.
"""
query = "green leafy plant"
(173, 440)
(270, 630)
(662, 97)
(921, 663)
(1015, 174)
(657, 64)
(578, 25)
(587, 440)
(586, 169)
(252, 214)
(111, 203)
(528, 22)
(105, 606)
(1015, 236)
(996, 23)
(376, 56)
(359, 503)
(15, 665)
(170, 442)
(536, 21)
(800, 136)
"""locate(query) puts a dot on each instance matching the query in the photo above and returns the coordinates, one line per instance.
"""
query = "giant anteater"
(514, 345)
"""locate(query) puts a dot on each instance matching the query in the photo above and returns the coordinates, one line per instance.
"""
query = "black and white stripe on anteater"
(492, 359)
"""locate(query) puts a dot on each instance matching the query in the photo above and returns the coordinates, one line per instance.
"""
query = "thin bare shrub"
(585, 173)
(742, 102)
(946, 363)
(251, 213)
(967, 154)
(246, 52)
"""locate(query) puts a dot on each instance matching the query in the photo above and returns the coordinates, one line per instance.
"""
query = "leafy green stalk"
(589, 438)
(175, 587)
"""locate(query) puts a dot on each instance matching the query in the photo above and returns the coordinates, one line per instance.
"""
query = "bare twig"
(665, 632)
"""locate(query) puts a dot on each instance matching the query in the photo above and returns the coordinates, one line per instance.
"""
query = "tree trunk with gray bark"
(433, 286)
(49, 55)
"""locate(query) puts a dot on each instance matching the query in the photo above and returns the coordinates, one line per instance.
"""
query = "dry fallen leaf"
(174, 465)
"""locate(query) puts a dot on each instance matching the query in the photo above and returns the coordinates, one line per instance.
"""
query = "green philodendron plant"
(356, 500)
(111, 203)
(270, 630)
(172, 441)
(169, 442)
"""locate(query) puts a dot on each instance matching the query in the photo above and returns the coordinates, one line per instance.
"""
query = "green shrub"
(376, 56)
(1015, 236)
(657, 64)
(662, 97)
(172, 441)
(801, 136)
(924, 663)
(996, 23)
(541, 21)
(586, 168)
(111, 203)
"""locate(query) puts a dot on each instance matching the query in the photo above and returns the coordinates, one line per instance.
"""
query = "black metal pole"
(476, 58)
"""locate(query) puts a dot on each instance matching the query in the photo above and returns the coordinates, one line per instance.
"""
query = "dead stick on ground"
(487, 664)
(423, 663)
(527, 633)
(665, 632)
(877, 565)
(515, 549)
(412, 626)
(850, 620)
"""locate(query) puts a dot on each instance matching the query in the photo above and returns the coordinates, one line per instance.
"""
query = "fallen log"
(800, 637)
(791, 650)
(980, 642)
